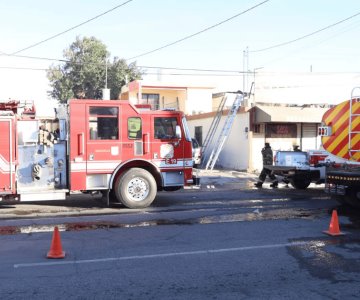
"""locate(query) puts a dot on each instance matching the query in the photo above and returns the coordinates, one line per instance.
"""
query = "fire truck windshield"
(165, 127)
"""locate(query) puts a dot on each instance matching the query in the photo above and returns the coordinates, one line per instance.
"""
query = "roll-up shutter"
(309, 137)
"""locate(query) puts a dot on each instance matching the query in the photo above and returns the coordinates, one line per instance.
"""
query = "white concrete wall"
(257, 143)
(235, 153)
(205, 123)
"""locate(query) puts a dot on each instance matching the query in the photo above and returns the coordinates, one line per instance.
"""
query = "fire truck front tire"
(136, 188)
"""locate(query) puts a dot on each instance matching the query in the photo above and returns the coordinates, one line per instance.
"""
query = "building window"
(199, 135)
(104, 123)
(256, 128)
(134, 128)
(152, 99)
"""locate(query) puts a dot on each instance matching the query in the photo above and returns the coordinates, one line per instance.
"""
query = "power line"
(307, 35)
(76, 26)
(145, 67)
(192, 69)
(197, 74)
(35, 57)
(167, 74)
(24, 68)
(199, 32)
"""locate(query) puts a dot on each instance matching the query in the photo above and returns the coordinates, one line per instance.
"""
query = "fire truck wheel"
(352, 197)
(300, 184)
(339, 199)
(136, 188)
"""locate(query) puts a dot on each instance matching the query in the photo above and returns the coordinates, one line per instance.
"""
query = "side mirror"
(178, 131)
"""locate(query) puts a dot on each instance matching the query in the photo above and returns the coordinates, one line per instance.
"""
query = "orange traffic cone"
(55, 248)
(334, 228)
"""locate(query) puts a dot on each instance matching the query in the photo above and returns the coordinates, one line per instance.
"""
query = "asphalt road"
(223, 241)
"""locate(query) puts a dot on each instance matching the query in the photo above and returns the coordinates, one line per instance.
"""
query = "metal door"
(167, 149)
(103, 146)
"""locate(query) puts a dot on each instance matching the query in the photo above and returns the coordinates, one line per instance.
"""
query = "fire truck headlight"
(166, 151)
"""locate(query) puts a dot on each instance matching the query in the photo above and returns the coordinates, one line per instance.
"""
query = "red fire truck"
(90, 146)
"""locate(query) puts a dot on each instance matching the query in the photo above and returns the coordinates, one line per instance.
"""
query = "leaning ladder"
(212, 130)
(224, 133)
(352, 132)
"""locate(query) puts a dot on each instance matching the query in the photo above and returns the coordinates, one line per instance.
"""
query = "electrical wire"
(72, 28)
(197, 74)
(312, 45)
(199, 32)
(35, 57)
(145, 67)
(307, 35)
(185, 69)
(23, 68)
(146, 73)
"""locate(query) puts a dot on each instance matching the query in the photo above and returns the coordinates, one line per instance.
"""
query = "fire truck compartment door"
(103, 146)
(7, 155)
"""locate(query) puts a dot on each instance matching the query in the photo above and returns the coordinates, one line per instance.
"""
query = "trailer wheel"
(300, 184)
(338, 198)
(136, 188)
(352, 197)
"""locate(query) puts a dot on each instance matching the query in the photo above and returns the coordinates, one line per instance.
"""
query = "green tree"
(83, 74)
(119, 72)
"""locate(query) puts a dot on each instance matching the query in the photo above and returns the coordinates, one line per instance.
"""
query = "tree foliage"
(83, 75)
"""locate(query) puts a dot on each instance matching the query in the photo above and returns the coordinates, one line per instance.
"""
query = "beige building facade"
(189, 98)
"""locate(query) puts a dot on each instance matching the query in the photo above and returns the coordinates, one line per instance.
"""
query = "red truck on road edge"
(90, 146)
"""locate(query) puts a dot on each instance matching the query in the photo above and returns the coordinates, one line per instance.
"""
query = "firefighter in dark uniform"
(267, 156)
(296, 148)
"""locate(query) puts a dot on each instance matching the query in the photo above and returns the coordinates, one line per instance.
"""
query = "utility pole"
(106, 79)
(255, 70)
(245, 69)
(106, 91)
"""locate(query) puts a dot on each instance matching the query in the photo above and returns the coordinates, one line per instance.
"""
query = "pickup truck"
(299, 168)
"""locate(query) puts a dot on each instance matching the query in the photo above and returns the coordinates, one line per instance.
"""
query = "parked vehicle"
(298, 167)
(93, 146)
(340, 135)
(196, 153)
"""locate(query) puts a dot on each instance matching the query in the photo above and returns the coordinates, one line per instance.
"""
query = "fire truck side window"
(165, 127)
(134, 128)
(104, 123)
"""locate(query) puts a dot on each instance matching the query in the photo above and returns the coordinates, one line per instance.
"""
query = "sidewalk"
(224, 179)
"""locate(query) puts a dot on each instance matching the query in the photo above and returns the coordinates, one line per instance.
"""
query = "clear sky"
(143, 25)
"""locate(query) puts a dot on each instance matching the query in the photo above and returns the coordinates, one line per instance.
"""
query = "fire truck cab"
(92, 146)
